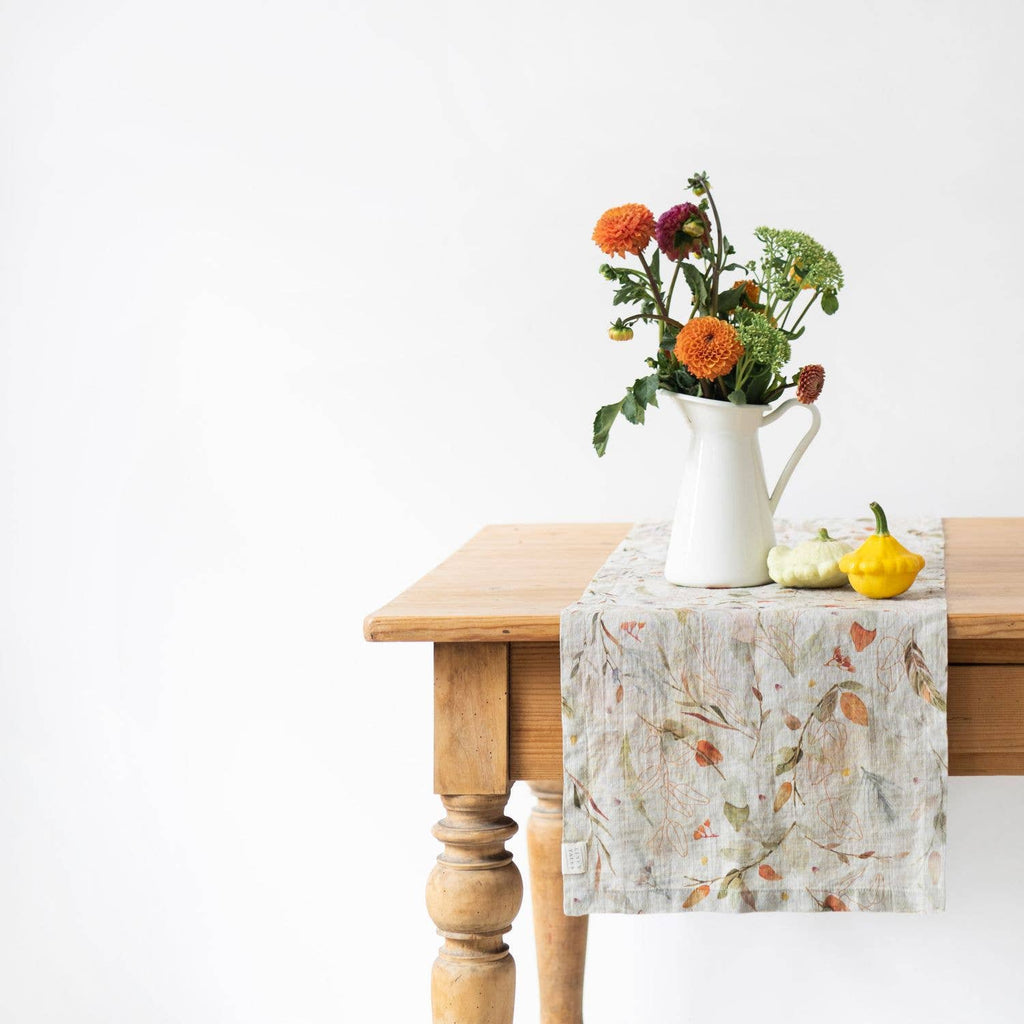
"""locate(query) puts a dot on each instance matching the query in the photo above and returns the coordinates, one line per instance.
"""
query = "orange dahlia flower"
(708, 347)
(624, 229)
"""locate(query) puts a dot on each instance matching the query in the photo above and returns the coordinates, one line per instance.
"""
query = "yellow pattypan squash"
(814, 563)
(881, 566)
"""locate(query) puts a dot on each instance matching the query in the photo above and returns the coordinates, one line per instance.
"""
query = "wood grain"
(473, 895)
(561, 941)
(535, 712)
(986, 652)
(986, 716)
(510, 583)
(470, 718)
(986, 719)
(507, 583)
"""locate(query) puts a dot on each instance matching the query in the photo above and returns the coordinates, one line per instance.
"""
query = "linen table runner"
(762, 748)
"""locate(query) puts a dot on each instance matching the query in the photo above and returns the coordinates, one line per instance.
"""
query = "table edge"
(381, 626)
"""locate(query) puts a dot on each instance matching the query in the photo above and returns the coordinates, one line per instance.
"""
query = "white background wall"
(294, 296)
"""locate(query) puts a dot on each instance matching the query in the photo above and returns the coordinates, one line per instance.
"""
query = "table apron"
(986, 716)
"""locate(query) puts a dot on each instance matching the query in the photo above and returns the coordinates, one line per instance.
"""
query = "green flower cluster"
(813, 265)
(730, 338)
(764, 344)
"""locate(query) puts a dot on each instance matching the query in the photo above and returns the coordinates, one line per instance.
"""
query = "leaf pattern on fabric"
(921, 678)
(861, 637)
(854, 708)
(775, 749)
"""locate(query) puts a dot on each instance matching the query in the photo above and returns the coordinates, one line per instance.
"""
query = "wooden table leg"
(561, 941)
(475, 890)
(473, 894)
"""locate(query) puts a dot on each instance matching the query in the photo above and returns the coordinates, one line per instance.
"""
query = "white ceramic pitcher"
(723, 529)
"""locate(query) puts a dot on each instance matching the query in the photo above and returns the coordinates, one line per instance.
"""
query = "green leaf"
(781, 641)
(695, 280)
(642, 393)
(655, 264)
(827, 706)
(632, 409)
(736, 816)
(829, 302)
(629, 776)
(812, 650)
(645, 390)
(727, 882)
(730, 299)
(602, 424)
(631, 290)
(676, 729)
(757, 385)
(789, 758)
(672, 376)
(738, 397)
(883, 790)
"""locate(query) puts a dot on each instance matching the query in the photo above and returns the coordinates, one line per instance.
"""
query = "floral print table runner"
(754, 749)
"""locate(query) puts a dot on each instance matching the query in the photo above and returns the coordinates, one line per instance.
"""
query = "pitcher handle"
(798, 453)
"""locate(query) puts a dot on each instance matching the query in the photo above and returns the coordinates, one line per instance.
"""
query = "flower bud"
(809, 383)
(695, 227)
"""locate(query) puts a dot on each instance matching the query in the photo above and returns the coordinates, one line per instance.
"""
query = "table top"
(510, 583)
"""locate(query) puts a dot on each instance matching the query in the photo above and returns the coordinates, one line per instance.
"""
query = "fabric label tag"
(574, 858)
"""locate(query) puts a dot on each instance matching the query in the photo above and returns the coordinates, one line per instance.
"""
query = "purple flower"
(682, 230)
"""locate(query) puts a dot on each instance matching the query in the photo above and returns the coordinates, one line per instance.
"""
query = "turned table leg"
(473, 894)
(561, 941)
(475, 890)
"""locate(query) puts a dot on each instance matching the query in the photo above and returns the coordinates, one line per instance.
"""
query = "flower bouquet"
(732, 340)
(722, 362)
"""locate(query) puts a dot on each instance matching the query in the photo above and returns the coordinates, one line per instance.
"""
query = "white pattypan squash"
(814, 563)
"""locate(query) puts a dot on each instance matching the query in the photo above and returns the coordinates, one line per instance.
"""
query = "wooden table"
(492, 611)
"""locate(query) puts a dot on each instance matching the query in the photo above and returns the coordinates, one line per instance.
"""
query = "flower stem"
(651, 316)
(716, 268)
(672, 285)
(767, 850)
(655, 290)
(784, 315)
(796, 323)
(741, 366)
